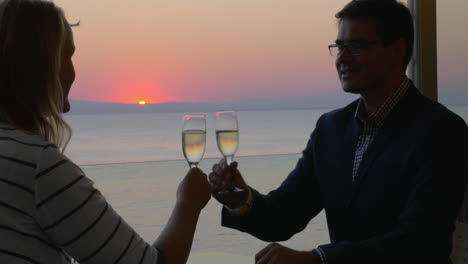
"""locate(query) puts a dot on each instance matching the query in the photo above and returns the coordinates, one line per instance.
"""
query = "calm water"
(144, 193)
(102, 139)
(153, 137)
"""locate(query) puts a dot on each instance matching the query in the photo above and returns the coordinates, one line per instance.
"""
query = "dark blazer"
(402, 206)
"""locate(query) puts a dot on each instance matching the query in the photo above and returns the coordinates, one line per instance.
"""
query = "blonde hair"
(33, 34)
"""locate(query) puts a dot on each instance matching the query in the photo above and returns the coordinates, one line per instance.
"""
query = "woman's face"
(67, 73)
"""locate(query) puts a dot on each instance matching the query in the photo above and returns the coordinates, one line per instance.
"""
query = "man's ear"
(399, 50)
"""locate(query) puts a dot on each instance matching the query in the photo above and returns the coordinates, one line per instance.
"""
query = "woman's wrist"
(187, 207)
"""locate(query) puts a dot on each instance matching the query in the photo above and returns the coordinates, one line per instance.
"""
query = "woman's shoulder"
(10, 133)
(24, 147)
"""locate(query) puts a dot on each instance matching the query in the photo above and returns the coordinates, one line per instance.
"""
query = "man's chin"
(350, 89)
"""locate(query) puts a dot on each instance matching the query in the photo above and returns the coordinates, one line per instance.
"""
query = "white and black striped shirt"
(50, 212)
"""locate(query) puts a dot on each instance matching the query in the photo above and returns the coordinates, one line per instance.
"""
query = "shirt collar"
(385, 109)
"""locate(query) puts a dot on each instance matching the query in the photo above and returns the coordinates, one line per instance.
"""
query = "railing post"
(423, 67)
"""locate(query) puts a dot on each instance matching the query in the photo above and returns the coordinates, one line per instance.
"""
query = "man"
(388, 168)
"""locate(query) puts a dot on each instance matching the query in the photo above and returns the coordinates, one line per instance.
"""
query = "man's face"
(362, 70)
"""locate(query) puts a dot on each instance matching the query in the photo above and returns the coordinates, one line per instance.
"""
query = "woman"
(49, 211)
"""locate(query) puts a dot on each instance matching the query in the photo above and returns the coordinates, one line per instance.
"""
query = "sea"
(136, 161)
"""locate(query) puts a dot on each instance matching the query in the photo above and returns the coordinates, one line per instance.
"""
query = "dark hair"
(394, 20)
(32, 41)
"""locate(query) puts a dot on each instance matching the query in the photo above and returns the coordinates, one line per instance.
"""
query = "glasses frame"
(354, 47)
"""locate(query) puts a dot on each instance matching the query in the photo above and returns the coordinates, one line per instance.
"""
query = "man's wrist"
(245, 207)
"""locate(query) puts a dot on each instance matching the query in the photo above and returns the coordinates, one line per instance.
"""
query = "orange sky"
(208, 50)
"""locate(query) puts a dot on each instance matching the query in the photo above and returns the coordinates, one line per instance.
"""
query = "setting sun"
(141, 102)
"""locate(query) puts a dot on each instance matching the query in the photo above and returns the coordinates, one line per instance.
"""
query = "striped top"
(50, 211)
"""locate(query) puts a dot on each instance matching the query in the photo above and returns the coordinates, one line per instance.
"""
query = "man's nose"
(344, 55)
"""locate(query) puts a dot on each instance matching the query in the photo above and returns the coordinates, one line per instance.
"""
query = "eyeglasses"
(355, 47)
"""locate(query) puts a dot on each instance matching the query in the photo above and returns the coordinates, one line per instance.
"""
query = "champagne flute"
(194, 138)
(227, 135)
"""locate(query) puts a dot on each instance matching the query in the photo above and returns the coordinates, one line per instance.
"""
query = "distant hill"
(326, 100)
(334, 99)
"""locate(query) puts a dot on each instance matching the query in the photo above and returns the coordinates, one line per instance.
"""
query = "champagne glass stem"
(192, 165)
(229, 159)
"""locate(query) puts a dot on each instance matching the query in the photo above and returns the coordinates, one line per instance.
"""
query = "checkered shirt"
(370, 124)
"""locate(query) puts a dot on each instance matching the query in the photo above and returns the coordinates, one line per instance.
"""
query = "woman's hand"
(194, 191)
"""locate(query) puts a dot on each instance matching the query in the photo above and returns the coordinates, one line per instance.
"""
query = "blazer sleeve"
(423, 233)
(285, 211)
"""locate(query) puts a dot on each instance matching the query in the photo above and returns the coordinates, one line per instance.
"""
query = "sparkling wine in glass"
(194, 138)
(227, 136)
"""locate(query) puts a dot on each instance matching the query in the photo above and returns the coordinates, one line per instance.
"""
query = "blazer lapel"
(349, 144)
(374, 150)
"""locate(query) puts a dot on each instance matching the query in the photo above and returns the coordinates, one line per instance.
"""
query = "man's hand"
(223, 179)
(275, 253)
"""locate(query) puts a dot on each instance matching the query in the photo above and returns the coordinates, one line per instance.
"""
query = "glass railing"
(144, 195)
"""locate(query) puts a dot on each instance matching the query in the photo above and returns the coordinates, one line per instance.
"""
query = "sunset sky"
(217, 51)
